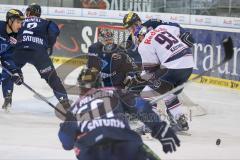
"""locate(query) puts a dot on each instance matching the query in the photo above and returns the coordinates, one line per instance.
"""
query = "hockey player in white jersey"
(168, 48)
(167, 62)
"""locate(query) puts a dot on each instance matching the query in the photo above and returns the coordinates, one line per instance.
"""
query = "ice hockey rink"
(30, 130)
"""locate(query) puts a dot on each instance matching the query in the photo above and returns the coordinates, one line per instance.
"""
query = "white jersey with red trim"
(163, 46)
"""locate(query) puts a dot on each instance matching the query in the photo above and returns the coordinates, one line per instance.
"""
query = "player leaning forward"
(8, 35)
(167, 60)
(102, 131)
(35, 38)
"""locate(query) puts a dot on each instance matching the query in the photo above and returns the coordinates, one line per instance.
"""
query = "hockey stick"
(36, 93)
(228, 50)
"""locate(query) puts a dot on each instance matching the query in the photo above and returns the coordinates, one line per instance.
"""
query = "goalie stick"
(228, 50)
(36, 93)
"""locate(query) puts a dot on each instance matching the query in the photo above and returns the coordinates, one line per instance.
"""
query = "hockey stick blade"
(228, 48)
(228, 51)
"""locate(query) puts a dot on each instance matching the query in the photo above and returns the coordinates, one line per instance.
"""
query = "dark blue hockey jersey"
(37, 33)
(7, 44)
(100, 117)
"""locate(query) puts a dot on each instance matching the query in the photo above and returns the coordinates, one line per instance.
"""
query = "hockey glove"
(68, 131)
(69, 125)
(167, 137)
(17, 76)
(70, 117)
(12, 40)
(187, 38)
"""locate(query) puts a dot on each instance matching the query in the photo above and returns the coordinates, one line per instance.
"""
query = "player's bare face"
(16, 25)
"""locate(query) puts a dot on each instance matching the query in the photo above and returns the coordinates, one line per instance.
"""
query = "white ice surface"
(30, 130)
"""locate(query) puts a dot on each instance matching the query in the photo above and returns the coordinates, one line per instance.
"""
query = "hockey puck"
(218, 141)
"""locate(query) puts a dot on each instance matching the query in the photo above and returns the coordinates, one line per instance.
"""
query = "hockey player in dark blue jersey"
(8, 35)
(97, 129)
(35, 38)
(106, 57)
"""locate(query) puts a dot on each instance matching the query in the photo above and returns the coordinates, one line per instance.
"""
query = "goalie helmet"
(106, 37)
(34, 10)
(130, 19)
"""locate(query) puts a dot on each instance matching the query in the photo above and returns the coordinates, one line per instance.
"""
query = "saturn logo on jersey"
(107, 75)
(105, 123)
(33, 39)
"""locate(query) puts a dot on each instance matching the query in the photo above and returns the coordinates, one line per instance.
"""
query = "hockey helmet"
(106, 37)
(13, 14)
(34, 10)
(130, 19)
(89, 78)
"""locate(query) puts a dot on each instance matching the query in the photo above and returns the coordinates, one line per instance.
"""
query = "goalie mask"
(106, 37)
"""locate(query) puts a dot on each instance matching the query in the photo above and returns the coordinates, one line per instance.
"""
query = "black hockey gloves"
(167, 137)
(17, 76)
